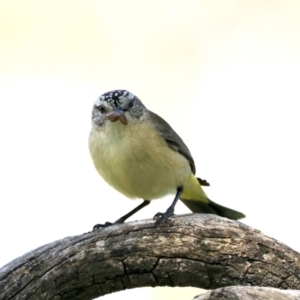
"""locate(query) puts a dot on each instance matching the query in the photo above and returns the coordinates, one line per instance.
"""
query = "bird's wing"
(172, 138)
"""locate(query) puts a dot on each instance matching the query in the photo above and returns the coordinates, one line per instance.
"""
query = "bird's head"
(117, 105)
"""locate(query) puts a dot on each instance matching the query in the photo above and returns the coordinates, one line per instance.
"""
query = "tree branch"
(196, 250)
(249, 293)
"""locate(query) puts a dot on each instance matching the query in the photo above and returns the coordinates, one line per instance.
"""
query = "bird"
(140, 155)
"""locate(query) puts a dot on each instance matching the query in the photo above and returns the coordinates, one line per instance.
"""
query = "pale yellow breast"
(136, 160)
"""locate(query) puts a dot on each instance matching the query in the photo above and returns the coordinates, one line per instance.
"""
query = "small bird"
(141, 156)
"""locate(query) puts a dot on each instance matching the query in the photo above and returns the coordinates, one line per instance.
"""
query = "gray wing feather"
(173, 140)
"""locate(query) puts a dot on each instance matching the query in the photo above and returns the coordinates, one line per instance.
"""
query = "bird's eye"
(102, 109)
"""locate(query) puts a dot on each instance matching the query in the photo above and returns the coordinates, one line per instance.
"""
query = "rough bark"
(249, 293)
(196, 250)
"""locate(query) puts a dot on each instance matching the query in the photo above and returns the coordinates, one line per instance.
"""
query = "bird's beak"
(118, 114)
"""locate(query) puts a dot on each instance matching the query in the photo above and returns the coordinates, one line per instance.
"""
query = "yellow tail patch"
(192, 190)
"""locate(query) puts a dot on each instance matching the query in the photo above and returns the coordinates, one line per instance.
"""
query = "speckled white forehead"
(116, 97)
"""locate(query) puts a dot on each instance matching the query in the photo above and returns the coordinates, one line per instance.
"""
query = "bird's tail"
(213, 208)
(196, 200)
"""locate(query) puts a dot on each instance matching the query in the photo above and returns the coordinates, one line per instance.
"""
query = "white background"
(225, 75)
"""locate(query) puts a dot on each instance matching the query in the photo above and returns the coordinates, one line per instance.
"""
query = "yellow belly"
(136, 160)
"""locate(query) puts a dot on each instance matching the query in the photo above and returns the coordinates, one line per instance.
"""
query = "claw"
(158, 217)
(162, 217)
(98, 226)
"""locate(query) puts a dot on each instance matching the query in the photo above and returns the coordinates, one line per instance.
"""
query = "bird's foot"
(162, 217)
(107, 224)
(98, 226)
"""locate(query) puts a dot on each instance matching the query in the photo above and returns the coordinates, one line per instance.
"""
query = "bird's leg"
(159, 217)
(125, 217)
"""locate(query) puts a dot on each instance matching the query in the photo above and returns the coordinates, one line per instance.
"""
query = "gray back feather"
(172, 138)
